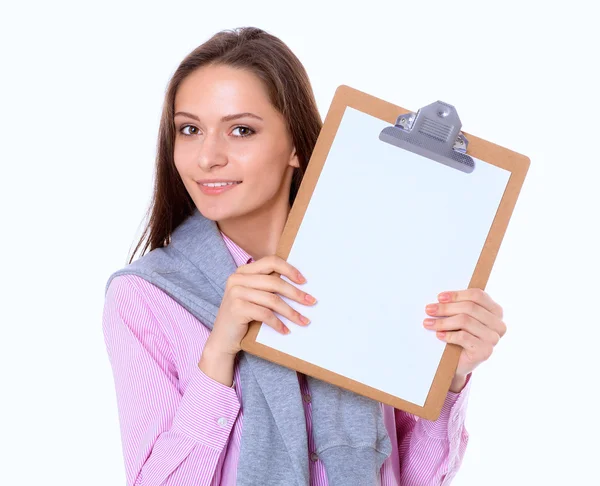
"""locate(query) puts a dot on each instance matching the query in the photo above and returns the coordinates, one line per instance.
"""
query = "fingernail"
(287, 330)
(304, 319)
(429, 322)
(432, 308)
(444, 297)
(310, 299)
(301, 278)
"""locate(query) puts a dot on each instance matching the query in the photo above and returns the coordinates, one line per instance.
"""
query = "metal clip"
(434, 132)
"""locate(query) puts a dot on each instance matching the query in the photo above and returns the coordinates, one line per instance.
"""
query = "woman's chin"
(219, 214)
(212, 214)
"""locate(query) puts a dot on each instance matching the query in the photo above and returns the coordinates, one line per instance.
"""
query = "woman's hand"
(472, 320)
(250, 295)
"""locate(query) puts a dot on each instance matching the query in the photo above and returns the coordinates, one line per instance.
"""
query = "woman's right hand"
(250, 295)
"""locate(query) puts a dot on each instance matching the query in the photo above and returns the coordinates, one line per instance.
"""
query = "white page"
(384, 233)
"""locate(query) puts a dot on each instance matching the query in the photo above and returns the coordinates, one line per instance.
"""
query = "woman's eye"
(185, 127)
(246, 131)
(189, 130)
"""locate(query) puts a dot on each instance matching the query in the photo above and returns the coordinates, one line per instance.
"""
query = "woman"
(239, 124)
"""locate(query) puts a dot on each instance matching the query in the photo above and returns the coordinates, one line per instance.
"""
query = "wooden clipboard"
(491, 153)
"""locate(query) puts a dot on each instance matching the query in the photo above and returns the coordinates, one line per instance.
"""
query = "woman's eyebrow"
(226, 118)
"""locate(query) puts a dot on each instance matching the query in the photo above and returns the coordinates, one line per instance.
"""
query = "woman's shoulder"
(139, 302)
(134, 289)
(144, 303)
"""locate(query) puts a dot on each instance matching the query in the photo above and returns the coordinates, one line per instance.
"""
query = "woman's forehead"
(223, 87)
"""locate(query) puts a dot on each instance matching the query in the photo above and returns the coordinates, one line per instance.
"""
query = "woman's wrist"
(458, 383)
(217, 365)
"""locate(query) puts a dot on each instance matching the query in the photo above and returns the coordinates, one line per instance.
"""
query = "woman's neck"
(258, 234)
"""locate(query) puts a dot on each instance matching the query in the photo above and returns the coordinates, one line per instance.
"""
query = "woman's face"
(226, 129)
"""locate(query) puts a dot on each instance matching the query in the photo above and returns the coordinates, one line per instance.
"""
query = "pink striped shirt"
(179, 427)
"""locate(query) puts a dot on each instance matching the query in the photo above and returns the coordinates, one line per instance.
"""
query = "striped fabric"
(181, 428)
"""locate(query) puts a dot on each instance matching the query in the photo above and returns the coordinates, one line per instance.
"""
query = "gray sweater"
(349, 432)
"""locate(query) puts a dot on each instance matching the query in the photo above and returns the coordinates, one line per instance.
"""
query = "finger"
(465, 323)
(271, 283)
(476, 295)
(475, 348)
(270, 264)
(270, 301)
(472, 309)
(262, 314)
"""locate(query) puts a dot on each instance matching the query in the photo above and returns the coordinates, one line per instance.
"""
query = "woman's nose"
(212, 152)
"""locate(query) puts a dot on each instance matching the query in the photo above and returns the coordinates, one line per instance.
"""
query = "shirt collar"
(239, 255)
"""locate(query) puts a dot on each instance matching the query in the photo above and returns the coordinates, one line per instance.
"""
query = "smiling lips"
(212, 188)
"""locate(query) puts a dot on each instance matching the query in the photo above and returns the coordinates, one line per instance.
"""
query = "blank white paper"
(384, 233)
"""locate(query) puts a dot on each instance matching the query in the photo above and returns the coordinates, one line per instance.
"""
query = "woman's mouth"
(214, 188)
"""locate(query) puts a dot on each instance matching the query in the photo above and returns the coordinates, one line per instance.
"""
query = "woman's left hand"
(470, 319)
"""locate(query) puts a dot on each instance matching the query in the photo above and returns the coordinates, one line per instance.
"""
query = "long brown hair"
(289, 90)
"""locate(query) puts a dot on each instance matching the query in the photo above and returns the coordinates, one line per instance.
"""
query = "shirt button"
(222, 422)
(314, 457)
(307, 398)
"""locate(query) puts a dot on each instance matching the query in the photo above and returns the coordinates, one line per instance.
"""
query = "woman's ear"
(294, 162)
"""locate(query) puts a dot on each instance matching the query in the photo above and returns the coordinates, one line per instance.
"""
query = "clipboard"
(373, 151)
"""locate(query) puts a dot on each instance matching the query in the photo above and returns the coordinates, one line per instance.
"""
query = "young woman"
(238, 127)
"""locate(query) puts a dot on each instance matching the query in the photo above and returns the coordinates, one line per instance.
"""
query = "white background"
(81, 92)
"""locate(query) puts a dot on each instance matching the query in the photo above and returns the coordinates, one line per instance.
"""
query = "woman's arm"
(168, 438)
(431, 452)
